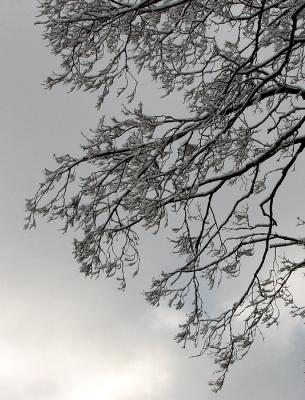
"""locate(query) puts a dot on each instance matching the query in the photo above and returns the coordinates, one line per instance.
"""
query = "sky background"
(64, 337)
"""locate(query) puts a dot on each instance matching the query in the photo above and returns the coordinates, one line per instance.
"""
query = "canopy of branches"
(240, 67)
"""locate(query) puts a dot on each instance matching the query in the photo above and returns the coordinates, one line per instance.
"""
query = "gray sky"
(62, 336)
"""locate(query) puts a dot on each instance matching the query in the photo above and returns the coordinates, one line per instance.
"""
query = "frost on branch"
(213, 176)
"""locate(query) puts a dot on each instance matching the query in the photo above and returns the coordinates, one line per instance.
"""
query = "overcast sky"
(64, 337)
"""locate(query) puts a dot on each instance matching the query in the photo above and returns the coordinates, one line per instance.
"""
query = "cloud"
(63, 337)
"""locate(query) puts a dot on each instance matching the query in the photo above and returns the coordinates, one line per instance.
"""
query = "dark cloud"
(62, 336)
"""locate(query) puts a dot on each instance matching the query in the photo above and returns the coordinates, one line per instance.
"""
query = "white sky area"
(64, 337)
